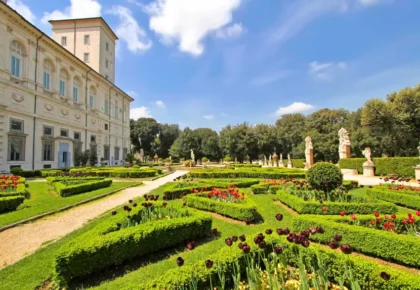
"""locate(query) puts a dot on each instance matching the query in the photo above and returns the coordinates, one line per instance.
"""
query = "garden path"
(373, 180)
(21, 241)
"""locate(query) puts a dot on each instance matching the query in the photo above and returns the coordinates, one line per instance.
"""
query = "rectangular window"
(15, 66)
(91, 102)
(16, 125)
(87, 39)
(116, 153)
(64, 132)
(86, 57)
(47, 151)
(75, 94)
(106, 63)
(106, 107)
(48, 131)
(64, 40)
(46, 81)
(106, 152)
(107, 46)
(47, 166)
(76, 136)
(92, 138)
(16, 148)
(62, 88)
(116, 109)
(106, 127)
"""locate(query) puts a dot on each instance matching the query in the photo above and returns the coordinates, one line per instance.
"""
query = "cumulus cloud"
(188, 22)
(160, 104)
(140, 112)
(232, 31)
(296, 107)
(208, 117)
(129, 31)
(22, 9)
(327, 70)
(77, 9)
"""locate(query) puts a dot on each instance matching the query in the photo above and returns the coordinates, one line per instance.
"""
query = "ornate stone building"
(57, 95)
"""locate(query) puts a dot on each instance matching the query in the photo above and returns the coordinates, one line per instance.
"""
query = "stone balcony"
(17, 81)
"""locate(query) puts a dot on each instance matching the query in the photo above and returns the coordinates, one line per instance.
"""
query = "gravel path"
(21, 241)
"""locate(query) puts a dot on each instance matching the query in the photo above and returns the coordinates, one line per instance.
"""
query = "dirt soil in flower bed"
(285, 207)
(226, 219)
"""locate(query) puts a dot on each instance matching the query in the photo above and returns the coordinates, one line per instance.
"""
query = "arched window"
(92, 97)
(76, 89)
(48, 70)
(16, 58)
(64, 77)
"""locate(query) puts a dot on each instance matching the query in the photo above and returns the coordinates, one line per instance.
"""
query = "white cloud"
(326, 71)
(296, 107)
(129, 30)
(160, 104)
(232, 31)
(140, 112)
(77, 9)
(132, 94)
(270, 78)
(208, 117)
(22, 9)
(189, 21)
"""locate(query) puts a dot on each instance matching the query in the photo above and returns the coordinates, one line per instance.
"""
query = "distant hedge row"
(272, 173)
(402, 166)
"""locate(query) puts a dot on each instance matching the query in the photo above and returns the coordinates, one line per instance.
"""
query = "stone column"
(275, 159)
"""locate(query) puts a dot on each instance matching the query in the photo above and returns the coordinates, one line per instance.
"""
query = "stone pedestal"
(345, 152)
(349, 171)
(309, 159)
(281, 164)
(368, 169)
(417, 169)
(289, 165)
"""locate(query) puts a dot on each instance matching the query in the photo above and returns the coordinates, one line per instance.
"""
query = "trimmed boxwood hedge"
(397, 197)
(273, 173)
(333, 208)
(402, 166)
(244, 165)
(366, 272)
(10, 203)
(397, 248)
(174, 193)
(263, 188)
(107, 245)
(51, 180)
(239, 211)
(67, 190)
(120, 173)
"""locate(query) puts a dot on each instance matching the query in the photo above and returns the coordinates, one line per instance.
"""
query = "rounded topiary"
(324, 176)
(16, 171)
(136, 166)
(204, 159)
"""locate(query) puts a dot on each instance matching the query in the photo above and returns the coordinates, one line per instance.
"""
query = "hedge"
(367, 272)
(67, 190)
(397, 197)
(10, 203)
(20, 191)
(123, 173)
(107, 245)
(273, 173)
(51, 180)
(402, 166)
(245, 165)
(41, 173)
(393, 247)
(333, 208)
(239, 211)
(175, 193)
(263, 188)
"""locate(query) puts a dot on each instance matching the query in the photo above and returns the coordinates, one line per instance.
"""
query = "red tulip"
(342, 213)
(376, 213)
(324, 208)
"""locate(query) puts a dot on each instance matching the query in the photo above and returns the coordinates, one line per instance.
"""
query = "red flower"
(418, 212)
(324, 208)
(353, 216)
(372, 223)
(376, 213)
(342, 213)
(279, 217)
(404, 221)
(394, 216)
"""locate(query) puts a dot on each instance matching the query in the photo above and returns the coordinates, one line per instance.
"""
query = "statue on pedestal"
(344, 146)
(368, 166)
(289, 161)
(309, 155)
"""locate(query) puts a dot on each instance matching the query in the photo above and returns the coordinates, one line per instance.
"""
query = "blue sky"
(208, 63)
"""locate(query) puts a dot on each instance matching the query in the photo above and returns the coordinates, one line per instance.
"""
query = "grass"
(34, 270)
(42, 200)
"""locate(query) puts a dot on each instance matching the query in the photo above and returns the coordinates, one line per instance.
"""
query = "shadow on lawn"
(115, 272)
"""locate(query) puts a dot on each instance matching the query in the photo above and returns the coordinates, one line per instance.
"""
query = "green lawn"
(42, 201)
(34, 270)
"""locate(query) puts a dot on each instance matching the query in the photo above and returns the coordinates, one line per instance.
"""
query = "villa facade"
(57, 94)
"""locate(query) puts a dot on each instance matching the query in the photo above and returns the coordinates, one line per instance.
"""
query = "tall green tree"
(182, 146)
(289, 133)
(146, 129)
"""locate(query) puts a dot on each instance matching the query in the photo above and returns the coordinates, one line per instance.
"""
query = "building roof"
(65, 50)
(84, 19)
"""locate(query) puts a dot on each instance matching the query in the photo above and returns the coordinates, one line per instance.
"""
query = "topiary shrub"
(204, 159)
(136, 166)
(324, 176)
(16, 171)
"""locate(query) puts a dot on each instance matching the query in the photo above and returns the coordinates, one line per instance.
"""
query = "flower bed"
(368, 274)
(272, 173)
(400, 197)
(402, 249)
(227, 202)
(108, 244)
(68, 188)
(333, 208)
(179, 189)
(12, 192)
